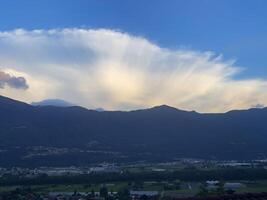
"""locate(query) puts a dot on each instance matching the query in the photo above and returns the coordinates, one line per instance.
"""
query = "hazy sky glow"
(115, 70)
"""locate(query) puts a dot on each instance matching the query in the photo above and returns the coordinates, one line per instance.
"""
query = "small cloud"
(12, 81)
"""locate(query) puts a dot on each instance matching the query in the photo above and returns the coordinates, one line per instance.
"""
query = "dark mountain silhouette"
(159, 133)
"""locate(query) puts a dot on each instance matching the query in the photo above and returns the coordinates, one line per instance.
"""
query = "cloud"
(12, 81)
(116, 70)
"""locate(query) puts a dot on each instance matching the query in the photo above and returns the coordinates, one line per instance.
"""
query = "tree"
(220, 189)
(124, 194)
(92, 193)
(104, 192)
(203, 191)
(144, 197)
(177, 184)
(229, 191)
(138, 185)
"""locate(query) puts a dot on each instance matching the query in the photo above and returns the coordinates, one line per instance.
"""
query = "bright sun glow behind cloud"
(115, 70)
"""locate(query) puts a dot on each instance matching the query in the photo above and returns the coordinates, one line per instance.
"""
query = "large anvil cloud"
(119, 71)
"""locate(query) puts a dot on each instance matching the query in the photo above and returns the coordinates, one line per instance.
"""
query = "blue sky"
(235, 28)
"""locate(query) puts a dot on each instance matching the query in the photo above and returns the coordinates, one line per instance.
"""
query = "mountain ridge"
(155, 134)
(157, 107)
(53, 102)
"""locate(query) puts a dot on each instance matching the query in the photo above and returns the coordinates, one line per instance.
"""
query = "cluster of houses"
(60, 171)
(214, 184)
(134, 195)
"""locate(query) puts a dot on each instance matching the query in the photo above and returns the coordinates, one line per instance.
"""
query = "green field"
(186, 188)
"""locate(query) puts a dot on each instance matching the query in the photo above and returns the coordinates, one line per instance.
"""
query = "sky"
(208, 56)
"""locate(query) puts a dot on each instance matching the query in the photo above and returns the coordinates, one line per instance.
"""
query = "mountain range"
(53, 102)
(56, 135)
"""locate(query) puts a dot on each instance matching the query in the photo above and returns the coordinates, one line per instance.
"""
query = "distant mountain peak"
(100, 109)
(169, 109)
(164, 107)
(53, 102)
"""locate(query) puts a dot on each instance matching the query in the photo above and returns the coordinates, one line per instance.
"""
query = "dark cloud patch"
(12, 81)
